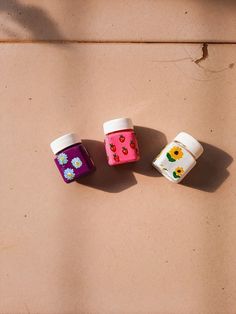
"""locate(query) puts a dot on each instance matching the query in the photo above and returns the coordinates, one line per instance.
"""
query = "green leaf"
(175, 175)
(170, 158)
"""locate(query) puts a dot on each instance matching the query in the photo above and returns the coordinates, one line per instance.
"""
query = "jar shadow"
(106, 178)
(210, 171)
(151, 142)
(118, 178)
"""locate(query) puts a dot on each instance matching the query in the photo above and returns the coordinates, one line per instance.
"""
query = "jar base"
(123, 162)
(164, 173)
(82, 175)
(92, 170)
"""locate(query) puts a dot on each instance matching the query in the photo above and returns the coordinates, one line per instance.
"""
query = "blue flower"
(62, 159)
(69, 174)
(76, 162)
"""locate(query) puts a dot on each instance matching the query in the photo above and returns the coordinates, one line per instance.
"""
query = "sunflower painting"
(179, 171)
(174, 154)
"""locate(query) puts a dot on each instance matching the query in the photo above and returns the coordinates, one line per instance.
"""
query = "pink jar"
(120, 141)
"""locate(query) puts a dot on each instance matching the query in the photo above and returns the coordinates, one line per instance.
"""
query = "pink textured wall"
(124, 240)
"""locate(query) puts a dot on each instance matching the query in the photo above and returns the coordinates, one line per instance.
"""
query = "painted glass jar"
(71, 157)
(120, 141)
(178, 157)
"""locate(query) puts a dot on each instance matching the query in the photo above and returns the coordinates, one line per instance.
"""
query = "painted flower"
(76, 162)
(62, 159)
(179, 171)
(174, 154)
(69, 174)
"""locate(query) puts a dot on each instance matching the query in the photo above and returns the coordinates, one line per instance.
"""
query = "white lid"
(64, 141)
(117, 124)
(191, 143)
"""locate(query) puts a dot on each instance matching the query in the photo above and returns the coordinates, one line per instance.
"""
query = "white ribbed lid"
(117, 125)
(64, 141)
(190, 143)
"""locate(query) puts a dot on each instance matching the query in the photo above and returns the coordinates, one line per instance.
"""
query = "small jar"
(120, 141)
(178, 157)
(71, 157)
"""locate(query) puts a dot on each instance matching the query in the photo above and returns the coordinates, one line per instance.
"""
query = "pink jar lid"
(117, 125)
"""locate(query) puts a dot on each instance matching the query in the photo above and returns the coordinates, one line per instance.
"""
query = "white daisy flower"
(76, 162)
(62, 159)
(69, 174)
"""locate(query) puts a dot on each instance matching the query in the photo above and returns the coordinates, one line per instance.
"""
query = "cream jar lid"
(117, 125)
(64, 141)
(190, 143)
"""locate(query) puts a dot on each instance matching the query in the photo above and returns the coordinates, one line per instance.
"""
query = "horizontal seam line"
(49, 41)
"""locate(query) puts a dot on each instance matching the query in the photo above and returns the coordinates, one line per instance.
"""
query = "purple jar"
(71, 157)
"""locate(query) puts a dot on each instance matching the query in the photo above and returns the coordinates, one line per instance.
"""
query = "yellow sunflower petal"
(176, 152)
(179, 171)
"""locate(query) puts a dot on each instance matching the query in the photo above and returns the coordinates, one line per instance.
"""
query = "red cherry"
(122, 138)
(112, 147)
(124, 150)
(132, 144)
(116, 158)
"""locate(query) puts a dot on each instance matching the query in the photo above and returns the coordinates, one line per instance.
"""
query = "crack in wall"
(205, 53)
